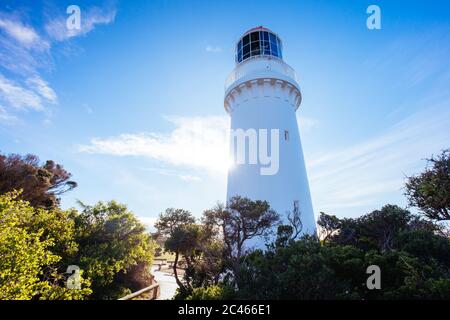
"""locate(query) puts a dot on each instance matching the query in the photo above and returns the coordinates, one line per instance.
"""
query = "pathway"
(167, 283)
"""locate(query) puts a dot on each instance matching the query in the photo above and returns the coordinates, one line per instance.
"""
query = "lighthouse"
(262, 96)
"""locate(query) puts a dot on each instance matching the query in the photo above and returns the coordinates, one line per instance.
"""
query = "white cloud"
(21, 60)
(213, 49)
(25, 35)
(56, 28)
(42, 88)
(25, 52)
(22, 53)
(19, 97)
(32, 96)
(195, 142)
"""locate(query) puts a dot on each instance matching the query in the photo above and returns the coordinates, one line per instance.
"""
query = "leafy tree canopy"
(430, 190)
(411, 252)
(29, 241)
(112, 244)
(41, 184)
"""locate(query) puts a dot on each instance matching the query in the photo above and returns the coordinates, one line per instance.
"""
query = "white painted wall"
(262, 93)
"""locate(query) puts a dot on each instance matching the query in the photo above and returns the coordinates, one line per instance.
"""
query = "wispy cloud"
(364, 175)
(25, 35)
(213, 49)
(174, 173)
(41, 87)
(19, 97)
(195, 142)
(26, 52)
(90, 18)
(355, 176)
(359, 175)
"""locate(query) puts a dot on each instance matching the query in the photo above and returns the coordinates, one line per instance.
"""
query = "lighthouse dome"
(258, 41)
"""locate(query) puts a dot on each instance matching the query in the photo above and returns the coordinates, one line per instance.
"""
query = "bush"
(115, 250)
(28, 263)
(214, 292)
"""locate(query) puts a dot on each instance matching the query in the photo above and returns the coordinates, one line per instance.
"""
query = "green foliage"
(297, 271)
(241, 220)
(57, 225)
(182, 237)
(39, 240)
(28, 243)
(112, 243)
(411, 252)
(376, 230)
(114, 251)
(213, 292)
(328, 225)
(184, 240)
(430, 190)
(202, 254)
(425, 245)
(284, 235)
(210, 264)
(172, 219)
(413, 258)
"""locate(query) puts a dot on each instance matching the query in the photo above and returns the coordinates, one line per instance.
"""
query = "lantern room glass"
(258, 43)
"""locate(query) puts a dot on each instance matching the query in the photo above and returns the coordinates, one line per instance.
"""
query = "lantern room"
(258, 41)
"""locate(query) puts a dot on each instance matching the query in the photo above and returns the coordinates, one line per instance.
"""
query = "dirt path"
(166, 282)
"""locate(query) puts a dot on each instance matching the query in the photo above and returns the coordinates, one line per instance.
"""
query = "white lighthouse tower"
(262, 96)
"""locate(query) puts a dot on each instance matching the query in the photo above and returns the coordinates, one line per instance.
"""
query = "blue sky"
(132, 104)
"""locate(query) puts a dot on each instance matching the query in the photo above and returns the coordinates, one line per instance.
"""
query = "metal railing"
(150, 293)
(239, 73)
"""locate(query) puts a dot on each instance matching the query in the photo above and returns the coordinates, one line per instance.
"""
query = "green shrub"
(214, 292)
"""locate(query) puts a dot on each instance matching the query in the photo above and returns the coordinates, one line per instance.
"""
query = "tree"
(27, 253)
(174, 225)
(284, 235)
(328, 224)
(57, 225)
(376, 230)
(242, 220)
(427, 246)
(301, 270)
(210, 265)
(184, 240)
(112, 244)
(430, 190)
(172, 219)
(295, 221)
(202, 254)
(413, 256)
(290, 232)
(41, 183)
(306, 269)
